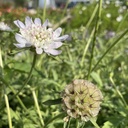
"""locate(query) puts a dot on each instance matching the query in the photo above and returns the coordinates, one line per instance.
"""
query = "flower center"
(37, 35)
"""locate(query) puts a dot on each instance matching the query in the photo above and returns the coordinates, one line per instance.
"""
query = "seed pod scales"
(82, 99)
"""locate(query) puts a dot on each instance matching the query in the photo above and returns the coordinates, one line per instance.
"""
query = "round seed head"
(82, 99)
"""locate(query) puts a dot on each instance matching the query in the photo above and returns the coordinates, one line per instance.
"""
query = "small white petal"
(55, 45)
(15, 22)
(20, 45)
(62, 38)
(20, 39)
(45, 24)
(28, 21)
(53, 51)
(57, 32)
(37, 21)
(39, 50)
(19, 24)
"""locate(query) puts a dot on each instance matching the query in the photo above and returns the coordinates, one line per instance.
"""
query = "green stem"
(14, 92)
(38, 108)
(53, 119)
(121, 23)
(65, 9)
(44, 10)
(1, 61)
(67, 124)
(8, 111)
(86, 47)
(94, 39)
(93, 121)
(29, 75)
(90, 20)
(118, 92)
(77, 124)
(115, 42)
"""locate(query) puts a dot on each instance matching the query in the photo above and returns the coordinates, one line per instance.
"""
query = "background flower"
(4, 27)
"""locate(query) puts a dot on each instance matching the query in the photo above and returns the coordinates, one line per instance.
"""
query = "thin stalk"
(90, 20)
(94, 39)
(29, 75)
(83, 125)
(121, 23)
(86, 47)
(14, 92)
(1, 61)
(63, 20)
(93, 121)
(8, 111)
(37, 107)
(115, 42)
(70, 59)
(118, 92)
(77, 124)
(67, 124)
(65, 9)
(53, 119)
(44, 11)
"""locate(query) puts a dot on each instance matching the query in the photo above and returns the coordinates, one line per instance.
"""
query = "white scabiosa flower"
(4, 27)
(37, 35)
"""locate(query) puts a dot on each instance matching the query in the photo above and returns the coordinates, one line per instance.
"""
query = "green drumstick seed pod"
(82, 99)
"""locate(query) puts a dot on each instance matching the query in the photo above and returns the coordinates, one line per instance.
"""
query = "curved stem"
(93, 121)
(90, 21)
(44, 10)
(37, 106)
(86, 48)
(115, 42)
(118, 91)
(21, 103)
(8, 111)
(29, 75)
(94, 39)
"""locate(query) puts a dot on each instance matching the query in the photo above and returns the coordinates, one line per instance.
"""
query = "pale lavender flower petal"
(55, 45)
(20, 39)
(20, 45)
(19, 24)
(37, 21)
(28, 21)
(62, 38)
(57, 32)
(53, 52)
(39, 50)
(45, 24)
(15, 22)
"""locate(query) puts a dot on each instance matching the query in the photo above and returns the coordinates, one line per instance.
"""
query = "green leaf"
(97, 78)
(53, 102)
(107, 124)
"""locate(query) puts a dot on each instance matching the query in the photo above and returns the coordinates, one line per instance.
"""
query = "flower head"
(4, 27)
(82, 99)
(35, 34)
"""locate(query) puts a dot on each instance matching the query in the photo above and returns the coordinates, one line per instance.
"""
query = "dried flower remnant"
(37, 35)
(4, 27)
(82, 99)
